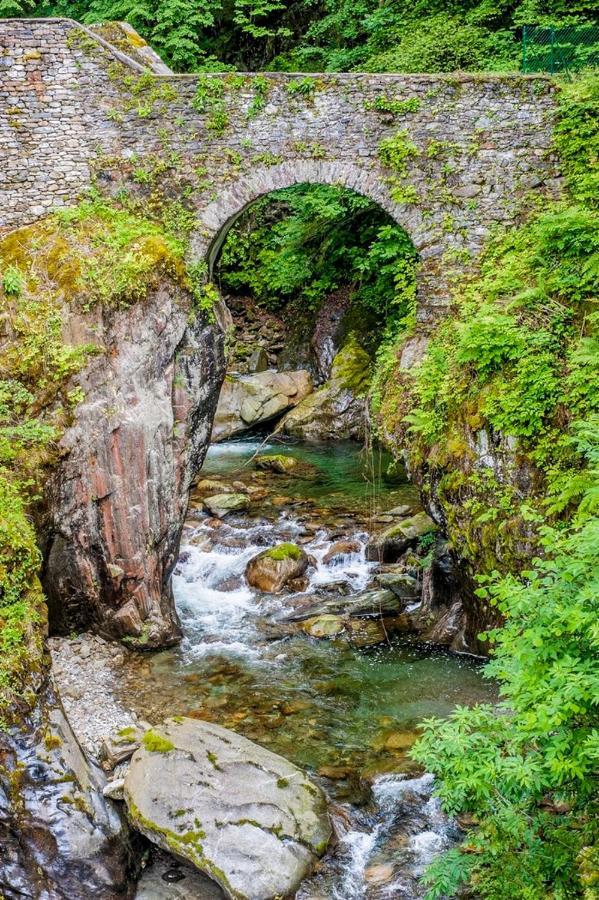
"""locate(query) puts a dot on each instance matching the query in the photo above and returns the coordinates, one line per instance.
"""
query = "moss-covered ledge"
(64, 283)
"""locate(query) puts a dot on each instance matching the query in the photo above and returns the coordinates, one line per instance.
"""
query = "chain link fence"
(566, 49)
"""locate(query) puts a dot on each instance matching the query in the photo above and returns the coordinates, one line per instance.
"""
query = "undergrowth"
(502, 416)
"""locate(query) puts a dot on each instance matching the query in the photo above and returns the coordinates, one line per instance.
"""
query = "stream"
(345, 711)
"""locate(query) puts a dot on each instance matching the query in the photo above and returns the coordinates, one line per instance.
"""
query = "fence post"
(524, 48)
(552, 69)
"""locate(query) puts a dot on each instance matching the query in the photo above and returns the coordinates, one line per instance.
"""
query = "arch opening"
(318, 278)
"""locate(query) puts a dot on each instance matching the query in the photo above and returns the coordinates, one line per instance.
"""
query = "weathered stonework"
(474, 145)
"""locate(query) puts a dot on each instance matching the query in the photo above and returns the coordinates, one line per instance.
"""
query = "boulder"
(272, 569)
(388, 545)
(339, 550)
(222, 504)
(404, 586)
(247, 400)
(276, 462)
(357, 632)
(246, 817)
(337, 410)
(365, 605)
(325, 626)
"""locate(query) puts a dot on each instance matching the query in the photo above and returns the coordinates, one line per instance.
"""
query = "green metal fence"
(566, 49)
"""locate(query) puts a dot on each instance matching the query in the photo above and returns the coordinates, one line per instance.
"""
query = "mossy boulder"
(246, 817)
(388, 545)
(338, 409)
(272, 569)
(220, 505)
(276, 462)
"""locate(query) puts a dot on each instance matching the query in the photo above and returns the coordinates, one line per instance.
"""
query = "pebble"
(86, 670)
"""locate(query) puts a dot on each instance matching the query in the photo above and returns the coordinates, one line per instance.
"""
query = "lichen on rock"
(246, 817)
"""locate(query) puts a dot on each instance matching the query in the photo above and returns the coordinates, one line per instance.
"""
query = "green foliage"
(395, 153)
(209, 98)
(21, 602)
(328, 35)
(306, 87)
(520, 360)
(392, 106)
(300, 244)
(577, 138)
(527, 772)
(12, 281)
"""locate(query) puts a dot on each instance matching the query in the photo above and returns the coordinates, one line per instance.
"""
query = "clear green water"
(344, 712)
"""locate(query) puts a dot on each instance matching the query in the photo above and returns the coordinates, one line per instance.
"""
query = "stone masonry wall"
(466, 148)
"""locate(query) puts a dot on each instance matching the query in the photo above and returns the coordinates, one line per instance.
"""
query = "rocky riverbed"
(303, 603)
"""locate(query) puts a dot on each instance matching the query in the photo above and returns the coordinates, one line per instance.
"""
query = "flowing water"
(346, 712)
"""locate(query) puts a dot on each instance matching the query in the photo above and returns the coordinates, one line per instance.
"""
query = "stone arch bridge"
(449, 157)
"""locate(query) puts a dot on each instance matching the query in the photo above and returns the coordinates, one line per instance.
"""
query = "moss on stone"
(352, 367)
(283, 551)
(156, 742)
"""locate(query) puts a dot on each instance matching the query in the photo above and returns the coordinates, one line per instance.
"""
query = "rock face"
(337, 410)
(60, 839)
(272, 569)
(245, 816)
(116, 502)
(248, 400)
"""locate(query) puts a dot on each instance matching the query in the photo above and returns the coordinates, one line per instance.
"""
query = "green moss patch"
(156, 742)
(284, 551)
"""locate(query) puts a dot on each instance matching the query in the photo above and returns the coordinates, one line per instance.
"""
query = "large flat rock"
(247, 400)
(246, 817)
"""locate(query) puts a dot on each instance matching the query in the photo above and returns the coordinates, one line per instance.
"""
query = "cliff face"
(115, 503)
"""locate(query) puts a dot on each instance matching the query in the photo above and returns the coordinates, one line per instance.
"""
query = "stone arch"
(216, 219)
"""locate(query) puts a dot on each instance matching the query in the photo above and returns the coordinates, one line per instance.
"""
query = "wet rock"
(276, 462)
(158, 881)
(245, 816)
(388, 545)
(60, 838)
(337, 410)
(222, 504)
(339, 550)
(404, 586)
(272, 569)
(325, 626)
(248, 400)
(298, 584)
